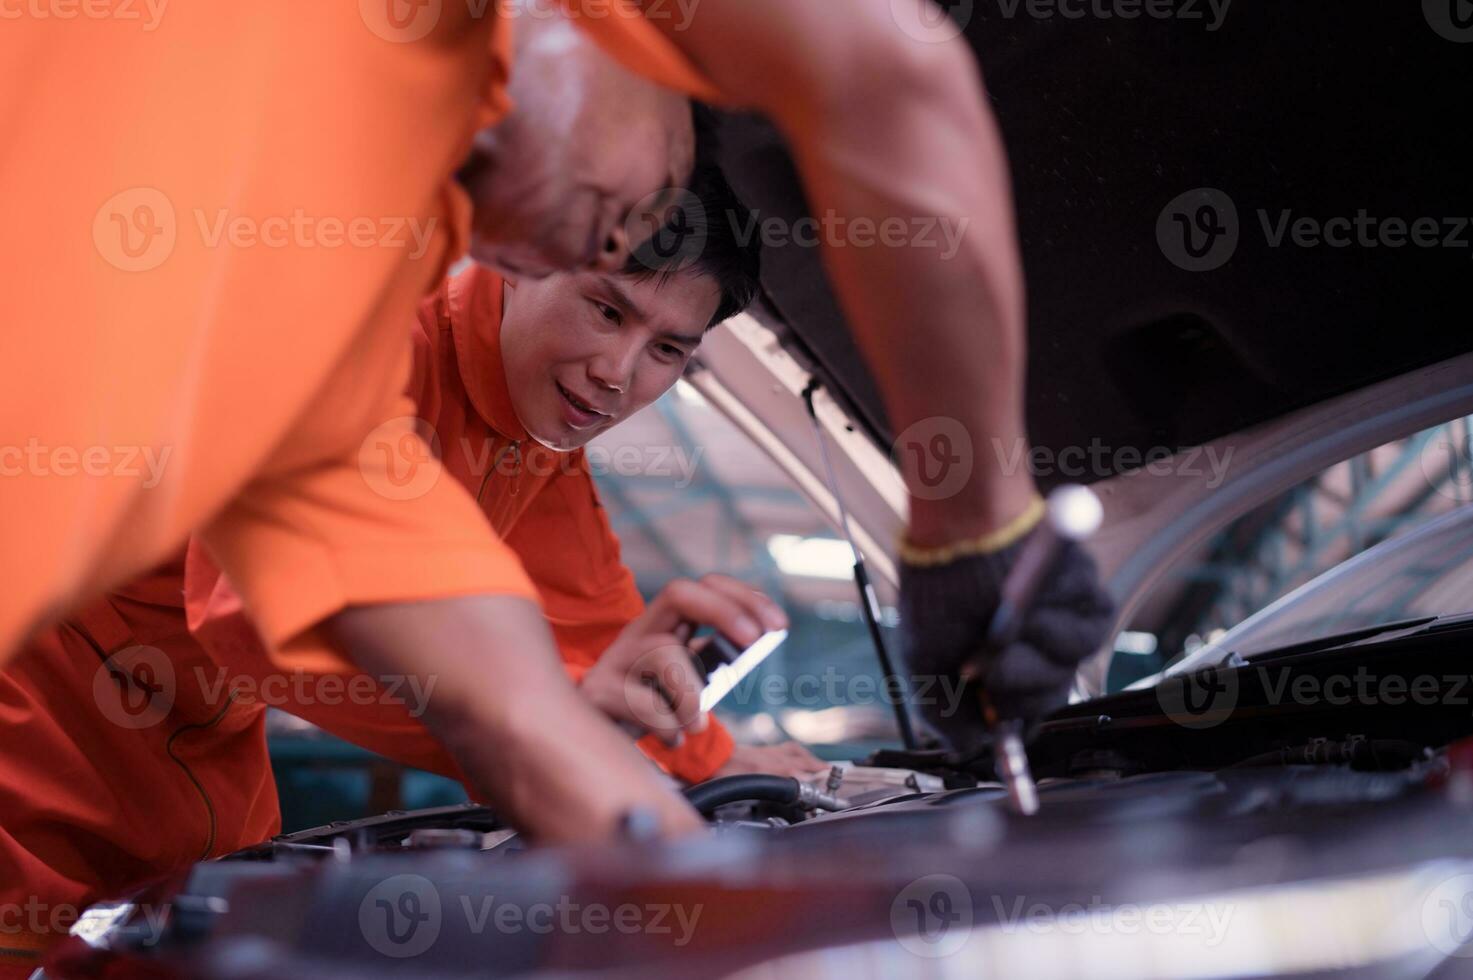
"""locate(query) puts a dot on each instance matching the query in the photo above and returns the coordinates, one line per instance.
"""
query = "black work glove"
(945, 612)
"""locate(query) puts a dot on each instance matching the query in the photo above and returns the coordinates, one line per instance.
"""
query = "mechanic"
(485, 384)
(493, 359)
(143, 333)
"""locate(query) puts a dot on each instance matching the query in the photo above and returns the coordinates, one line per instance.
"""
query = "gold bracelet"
(986, 544)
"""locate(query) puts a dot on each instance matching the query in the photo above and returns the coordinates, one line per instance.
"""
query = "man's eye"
(670, 351)
(608, 312)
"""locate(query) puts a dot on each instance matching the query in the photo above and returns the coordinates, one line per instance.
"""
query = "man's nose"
(613, 369)
(614, 254)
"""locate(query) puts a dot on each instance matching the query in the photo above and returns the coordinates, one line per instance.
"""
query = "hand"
(782, 759)
(945, 613)
(653, 650)
(502, 706)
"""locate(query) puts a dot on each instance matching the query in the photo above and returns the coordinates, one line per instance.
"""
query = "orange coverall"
(100, 791)
(220, 226)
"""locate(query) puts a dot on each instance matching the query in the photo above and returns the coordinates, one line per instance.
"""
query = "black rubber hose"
(707, 796)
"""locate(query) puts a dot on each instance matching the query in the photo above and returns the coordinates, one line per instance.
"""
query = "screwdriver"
(1072, 513)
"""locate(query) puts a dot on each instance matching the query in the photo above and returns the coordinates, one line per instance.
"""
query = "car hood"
(1239, 374)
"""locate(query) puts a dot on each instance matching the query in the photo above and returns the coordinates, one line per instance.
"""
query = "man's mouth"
(578, 413)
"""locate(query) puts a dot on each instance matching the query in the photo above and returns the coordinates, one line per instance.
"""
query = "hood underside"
(1290, 111)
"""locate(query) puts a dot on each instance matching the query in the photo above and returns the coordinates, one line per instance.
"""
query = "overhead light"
(1136, 642)
(811, 557)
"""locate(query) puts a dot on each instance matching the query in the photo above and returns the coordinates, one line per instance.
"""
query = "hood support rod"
(869, 604)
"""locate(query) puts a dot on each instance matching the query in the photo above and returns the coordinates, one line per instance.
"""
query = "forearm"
(504, 709)
(940, 319)
(895, 131)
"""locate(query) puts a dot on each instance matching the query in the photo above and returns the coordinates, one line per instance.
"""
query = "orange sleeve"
(622, 30)
(572, 554)
(380, 523)
(378, 720)
(193, 283)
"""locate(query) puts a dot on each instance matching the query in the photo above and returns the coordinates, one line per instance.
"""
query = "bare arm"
(506, 711)
(887, 126)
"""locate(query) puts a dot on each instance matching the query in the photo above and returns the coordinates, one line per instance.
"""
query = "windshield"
(1428, 572)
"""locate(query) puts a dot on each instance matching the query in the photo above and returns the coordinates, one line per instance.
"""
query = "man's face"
(556, 185)
(585, 350)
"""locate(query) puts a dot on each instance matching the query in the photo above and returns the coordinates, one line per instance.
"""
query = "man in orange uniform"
(100, 794)
(235, 183)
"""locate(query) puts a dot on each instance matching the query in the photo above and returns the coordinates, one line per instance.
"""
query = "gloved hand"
(945, 612)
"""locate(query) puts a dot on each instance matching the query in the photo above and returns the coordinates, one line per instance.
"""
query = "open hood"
(1314, 327)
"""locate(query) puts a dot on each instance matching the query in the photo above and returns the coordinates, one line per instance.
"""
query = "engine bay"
(1322, 840)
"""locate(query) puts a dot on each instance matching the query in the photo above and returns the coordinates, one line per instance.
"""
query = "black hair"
(708, 229)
